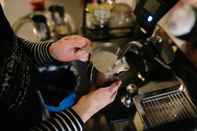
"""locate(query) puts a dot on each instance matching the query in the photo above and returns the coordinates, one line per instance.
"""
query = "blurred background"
(16, 9)
(20, 8)
(156, 64)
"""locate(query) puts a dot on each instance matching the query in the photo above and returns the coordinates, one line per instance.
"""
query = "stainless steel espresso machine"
(156, 93)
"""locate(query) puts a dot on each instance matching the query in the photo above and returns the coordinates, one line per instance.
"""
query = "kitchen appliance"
(106, 19)
(149, 12)
(164, 103)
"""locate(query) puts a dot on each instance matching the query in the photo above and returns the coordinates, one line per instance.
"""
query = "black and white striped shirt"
(20, 106)
(62, 121)
(67, 120)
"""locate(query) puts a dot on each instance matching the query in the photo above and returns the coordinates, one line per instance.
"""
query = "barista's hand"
(70, 48)
(91, 103)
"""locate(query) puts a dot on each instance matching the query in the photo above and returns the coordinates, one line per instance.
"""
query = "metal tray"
(165, 105)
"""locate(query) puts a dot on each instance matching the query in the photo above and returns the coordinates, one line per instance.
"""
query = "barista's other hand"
(70, 48)
(91, 103)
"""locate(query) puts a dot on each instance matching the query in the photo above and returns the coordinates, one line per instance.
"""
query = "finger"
(71, 37)
(80, 42)
(76, 43)
(115, 86)
(84, 58)
(75, 37)
(82, 55)
(114, 96)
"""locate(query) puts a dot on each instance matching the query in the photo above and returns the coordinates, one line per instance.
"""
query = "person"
(21, 106)
(181, 26)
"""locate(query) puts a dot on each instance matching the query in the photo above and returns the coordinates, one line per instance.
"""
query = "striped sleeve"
(38, 51)
(62, 121)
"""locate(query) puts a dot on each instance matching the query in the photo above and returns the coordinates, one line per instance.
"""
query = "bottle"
(96, 18)
(122, 19)
(33, 26)
(98, 13)
(61, 22)
(41, 28)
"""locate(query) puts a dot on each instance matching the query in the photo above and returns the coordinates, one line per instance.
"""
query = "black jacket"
(21, 105)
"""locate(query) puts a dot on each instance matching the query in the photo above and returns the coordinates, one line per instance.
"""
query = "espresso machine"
(155, 94)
